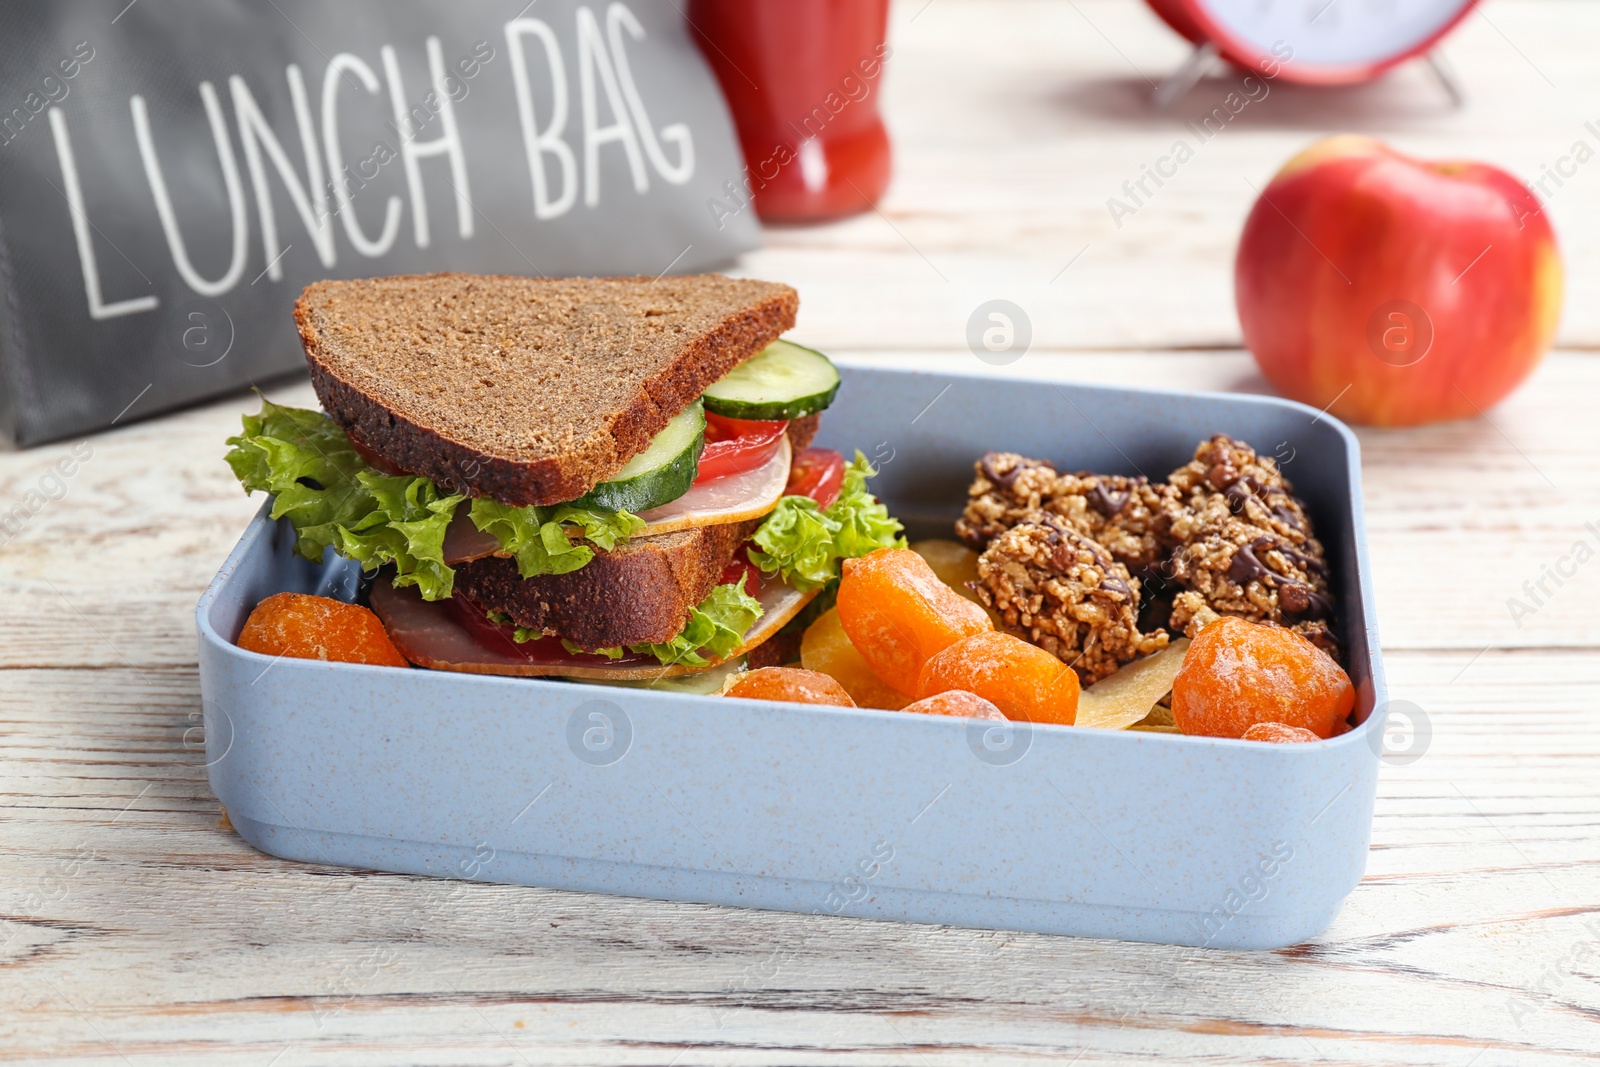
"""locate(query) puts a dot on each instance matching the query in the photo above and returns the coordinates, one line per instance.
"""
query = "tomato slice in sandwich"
(734, 446)
(817, 473)
(741, 571)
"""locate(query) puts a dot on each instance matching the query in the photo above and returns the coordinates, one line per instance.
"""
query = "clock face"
(1325, 40)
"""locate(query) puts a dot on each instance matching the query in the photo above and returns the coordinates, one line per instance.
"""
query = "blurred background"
(1015, 121)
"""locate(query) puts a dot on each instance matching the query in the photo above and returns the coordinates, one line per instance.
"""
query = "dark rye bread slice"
(641, 591)
(526, 390)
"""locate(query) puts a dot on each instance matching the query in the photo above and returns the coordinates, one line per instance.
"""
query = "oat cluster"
(1066, 592)
(1066, 556)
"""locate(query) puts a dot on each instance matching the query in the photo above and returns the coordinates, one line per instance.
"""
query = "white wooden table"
(136, 929)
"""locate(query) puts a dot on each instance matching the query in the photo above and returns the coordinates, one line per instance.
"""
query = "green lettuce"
(405, 527)
(537, 536)
(804, 543)
(333, 498)
(717, 625)
(520, 634)
(715, 628)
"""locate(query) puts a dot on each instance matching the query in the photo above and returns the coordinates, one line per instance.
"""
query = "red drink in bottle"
(801, 78)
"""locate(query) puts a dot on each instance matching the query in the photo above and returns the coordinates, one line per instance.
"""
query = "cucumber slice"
(661, 473)
(783, 381)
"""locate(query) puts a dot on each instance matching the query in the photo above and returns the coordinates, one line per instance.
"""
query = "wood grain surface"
(135, 928)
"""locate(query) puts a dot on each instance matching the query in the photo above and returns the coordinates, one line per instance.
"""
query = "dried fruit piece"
(1160, 715)
(788, 683)
(827, 648)
(957, 702)
(957, 566)
(1022, 680)
(1279, 733)
(302, 626)
(1239, 673)
(952, 561)
(1127, 697)
(898, 613)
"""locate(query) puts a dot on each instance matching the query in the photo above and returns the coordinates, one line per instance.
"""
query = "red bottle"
(801, 78)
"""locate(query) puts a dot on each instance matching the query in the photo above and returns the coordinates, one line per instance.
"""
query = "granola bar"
(1128, 516)
(1251, 487)
(1244, 545)
(1006, 489)
(1230, 567)
(1066, 592)
(1225, 535)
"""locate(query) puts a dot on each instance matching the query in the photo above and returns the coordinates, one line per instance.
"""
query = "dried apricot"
(302, 626)
(1022, 680)
(957, 702)
(1279, 733)
(787, 683)
(952, 561)
(1239, 673)
(827, 648)
(898, 613)
(957, 566)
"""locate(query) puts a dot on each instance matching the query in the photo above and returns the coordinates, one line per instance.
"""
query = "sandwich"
(599, 478)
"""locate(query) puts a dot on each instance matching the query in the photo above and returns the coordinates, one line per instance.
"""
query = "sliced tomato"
(817, 473)
(741, 570)
(734, 446)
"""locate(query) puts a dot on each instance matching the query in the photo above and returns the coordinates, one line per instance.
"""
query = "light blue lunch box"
(879, 814)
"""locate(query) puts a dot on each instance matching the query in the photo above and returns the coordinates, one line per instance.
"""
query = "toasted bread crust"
(641, 591)
(679, 336)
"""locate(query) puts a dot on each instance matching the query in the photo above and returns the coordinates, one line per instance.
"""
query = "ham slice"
(734, 498)
(464, 542)
(448, 636)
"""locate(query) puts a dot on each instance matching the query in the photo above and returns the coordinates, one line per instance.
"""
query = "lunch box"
(878, 814)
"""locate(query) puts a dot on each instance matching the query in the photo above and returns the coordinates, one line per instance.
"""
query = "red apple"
(1399, 291)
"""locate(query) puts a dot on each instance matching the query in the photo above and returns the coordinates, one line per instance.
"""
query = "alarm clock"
(1312, 42)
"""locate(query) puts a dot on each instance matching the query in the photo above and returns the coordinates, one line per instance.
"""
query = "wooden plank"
(1466, 938)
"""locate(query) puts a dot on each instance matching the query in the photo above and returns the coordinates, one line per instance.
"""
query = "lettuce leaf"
(308, 462)
(406, 528)
(520, 634)
(578, 650)
(716, 626)
(804, 543)
(335, 499)
(537, 536)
